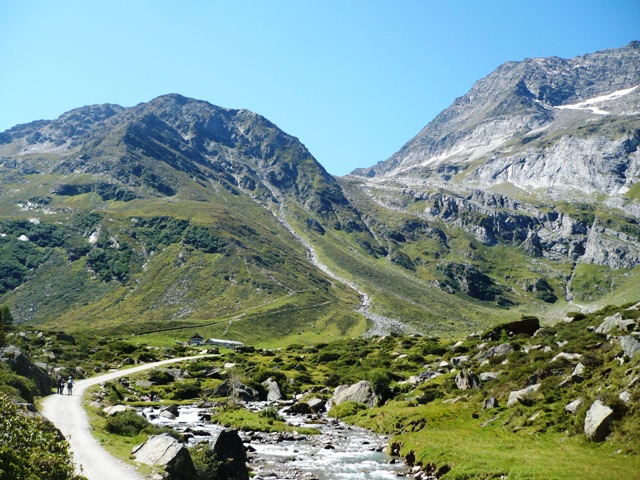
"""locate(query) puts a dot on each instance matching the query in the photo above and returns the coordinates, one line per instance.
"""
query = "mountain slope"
(539, 163)
(178, 214)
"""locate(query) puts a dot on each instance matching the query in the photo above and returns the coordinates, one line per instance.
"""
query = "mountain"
(541, 157)
(518, 124)
(176, 216)
(164, 214)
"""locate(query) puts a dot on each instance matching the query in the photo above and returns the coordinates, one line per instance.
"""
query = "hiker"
(70, 385)
(60, 385)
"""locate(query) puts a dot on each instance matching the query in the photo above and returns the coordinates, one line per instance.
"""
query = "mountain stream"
(339, 452)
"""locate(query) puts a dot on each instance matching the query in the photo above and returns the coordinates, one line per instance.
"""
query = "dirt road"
(66, 412)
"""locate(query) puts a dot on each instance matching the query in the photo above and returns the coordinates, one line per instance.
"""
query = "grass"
(449, 435)
(242, 419)
(117, 445)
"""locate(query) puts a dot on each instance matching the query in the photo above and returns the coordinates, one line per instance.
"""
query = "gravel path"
(67, 414)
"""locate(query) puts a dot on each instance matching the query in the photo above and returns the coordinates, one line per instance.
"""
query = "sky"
(354, 80)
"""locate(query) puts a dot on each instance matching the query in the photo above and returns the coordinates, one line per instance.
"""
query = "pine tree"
(3, 339)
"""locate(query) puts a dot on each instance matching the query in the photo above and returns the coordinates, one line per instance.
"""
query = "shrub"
(160, 377)
(379, 380)
(186, 391)
(121, 346)
(126, 424)
(207, 464)
(30, 449)
(271, 414)
(433, 348)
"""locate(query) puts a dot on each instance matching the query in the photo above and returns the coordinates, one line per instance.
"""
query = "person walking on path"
(70, 385)
(60, 385)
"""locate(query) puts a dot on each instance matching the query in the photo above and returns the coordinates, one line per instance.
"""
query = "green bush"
(122, 347)
(127, 424)
(30, 449)
(160, 377)
(186, 390)
(207, 464)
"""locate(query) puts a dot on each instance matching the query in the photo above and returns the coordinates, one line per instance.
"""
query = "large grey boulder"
(467, 380)
(597, 423)
(236, 390)
(361, 392)
(273, 390)
(615, 322)
(166, 450)
(630, 345)
(20, 364)
(519, 395)
(231, 453)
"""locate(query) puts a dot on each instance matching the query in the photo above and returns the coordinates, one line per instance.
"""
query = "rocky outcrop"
(615, 322)
(597, 423)
(166, 451)
(467, 380)
(273, 390)
(229, 450)
(489, 403)
(20, 364)
(520, 396)
(630, 345)
(236, 390)
(361, 392)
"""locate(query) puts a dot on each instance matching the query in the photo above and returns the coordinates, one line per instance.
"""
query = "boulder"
(236, 389)
(615, 322)
(573, 406)
(301, 408)
(577, 375)
(488, 376)
(519, 395)
(502, 349)
(273, 390)
(316, 404)
(630, 345)
(361, 392)
(229, 450)
(169, 452)
(20, 364)
(625, 396)
(490, 402)
(466, 380)
(567, 356)
(462, 359)
(111, 411)
(597, 423)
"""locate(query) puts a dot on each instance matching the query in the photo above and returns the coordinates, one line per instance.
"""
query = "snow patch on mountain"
(591, 104)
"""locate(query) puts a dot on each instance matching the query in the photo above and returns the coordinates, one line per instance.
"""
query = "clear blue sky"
(352, 79)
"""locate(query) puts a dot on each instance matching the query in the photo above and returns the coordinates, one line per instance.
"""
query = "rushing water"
(339, 452)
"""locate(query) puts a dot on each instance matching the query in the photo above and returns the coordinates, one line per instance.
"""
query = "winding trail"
(68, 415)
(381, 325)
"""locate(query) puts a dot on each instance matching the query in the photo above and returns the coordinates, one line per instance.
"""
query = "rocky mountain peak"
(551, 125)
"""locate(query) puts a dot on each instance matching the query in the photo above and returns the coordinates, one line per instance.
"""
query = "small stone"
(573, 406)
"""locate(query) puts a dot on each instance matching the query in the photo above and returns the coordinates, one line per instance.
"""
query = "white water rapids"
(339, 452)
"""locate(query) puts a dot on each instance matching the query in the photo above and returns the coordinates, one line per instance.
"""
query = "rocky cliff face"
(541, 155)
(544, 123)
